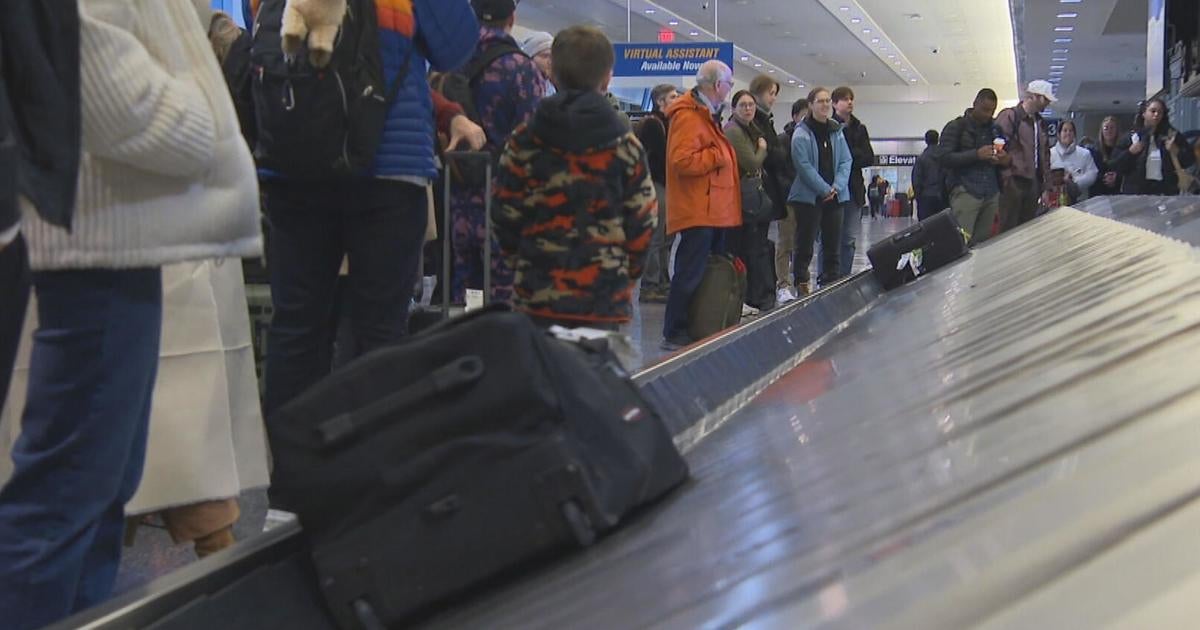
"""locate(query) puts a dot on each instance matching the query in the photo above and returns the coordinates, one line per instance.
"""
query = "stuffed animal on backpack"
(316, 21)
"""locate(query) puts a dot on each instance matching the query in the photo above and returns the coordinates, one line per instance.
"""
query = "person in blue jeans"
(165, 177)
(863, 156)
(376, 220)
(821, 189)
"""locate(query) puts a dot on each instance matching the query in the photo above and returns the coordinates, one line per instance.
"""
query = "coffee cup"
(998, 145)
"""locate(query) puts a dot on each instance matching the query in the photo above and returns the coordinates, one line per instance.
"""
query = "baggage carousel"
(1010, 442)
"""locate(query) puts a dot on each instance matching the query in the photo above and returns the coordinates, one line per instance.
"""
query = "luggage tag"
(619, 344)
(913, 260)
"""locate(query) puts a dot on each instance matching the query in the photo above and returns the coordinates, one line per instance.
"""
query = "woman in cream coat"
(165, 177)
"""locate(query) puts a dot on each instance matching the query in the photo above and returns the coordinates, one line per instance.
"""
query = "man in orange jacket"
(703, 192)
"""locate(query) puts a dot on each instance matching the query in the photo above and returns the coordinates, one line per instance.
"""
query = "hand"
(461, 128)
(762, 144)
(987, 153)
(1003, 160)
(1137, 148)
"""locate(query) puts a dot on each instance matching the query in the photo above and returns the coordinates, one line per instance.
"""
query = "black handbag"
(756, 204)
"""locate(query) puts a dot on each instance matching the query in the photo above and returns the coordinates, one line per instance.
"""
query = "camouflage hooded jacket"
(575, 210)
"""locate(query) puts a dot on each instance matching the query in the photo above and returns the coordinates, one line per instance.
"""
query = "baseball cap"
(493, 10)
(1042, 88)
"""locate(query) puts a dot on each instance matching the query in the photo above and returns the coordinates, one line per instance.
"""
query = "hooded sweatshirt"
(575, 210)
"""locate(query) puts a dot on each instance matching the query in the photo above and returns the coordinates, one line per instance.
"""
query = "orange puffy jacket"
(703, 189)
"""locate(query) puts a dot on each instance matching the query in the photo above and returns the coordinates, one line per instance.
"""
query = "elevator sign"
(668, 59)
(895, 160)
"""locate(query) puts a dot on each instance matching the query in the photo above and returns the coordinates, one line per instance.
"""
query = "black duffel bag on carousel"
(427, 467)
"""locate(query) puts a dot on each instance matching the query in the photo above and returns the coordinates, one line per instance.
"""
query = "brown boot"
(802, 289)
(214, 542)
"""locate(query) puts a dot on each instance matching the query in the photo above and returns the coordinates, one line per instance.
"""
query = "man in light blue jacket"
(822, 159)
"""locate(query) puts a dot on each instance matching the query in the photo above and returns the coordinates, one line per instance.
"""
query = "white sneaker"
(749, 311)
(783, 295)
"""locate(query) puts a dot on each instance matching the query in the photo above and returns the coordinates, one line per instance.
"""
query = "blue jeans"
(691, 259)
(79, 457)
(380, 226)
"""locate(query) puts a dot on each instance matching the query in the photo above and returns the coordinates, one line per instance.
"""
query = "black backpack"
(320, 123)
(459, 87)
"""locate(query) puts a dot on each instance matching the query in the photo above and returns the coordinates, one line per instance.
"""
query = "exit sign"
(666, 36)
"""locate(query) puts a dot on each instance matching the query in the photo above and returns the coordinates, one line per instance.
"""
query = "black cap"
(494, 10)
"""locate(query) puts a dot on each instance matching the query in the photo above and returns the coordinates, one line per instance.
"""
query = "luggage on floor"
(424, 468)
(916, 250)
(717, 303)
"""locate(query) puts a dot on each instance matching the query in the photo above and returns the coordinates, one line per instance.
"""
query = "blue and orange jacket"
(447, 32)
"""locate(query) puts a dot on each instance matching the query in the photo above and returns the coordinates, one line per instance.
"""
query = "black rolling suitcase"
(422, 469)
(902, 257)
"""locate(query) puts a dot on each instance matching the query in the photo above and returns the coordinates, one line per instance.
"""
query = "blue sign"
(668, 60)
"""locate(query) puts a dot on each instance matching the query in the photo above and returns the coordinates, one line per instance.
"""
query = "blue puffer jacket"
(809, 186)
(445, 33)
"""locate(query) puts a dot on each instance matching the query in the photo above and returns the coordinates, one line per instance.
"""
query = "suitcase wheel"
(580, 523)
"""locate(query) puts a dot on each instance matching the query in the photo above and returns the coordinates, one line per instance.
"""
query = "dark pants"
(750, 243)
(1018, 203)
(14, 296)
(928, 206)
(876, 207)
(826, 217)
(79, 457)
(380, 226)
(691, 259)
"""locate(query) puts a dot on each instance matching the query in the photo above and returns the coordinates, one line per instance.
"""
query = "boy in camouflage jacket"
(575, 204)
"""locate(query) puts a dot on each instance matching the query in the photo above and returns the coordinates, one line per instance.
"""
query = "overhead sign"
(668, 60)
(895, 160)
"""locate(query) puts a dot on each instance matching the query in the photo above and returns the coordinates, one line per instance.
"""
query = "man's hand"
(987, 154)
(461, 128)
(1002, 160)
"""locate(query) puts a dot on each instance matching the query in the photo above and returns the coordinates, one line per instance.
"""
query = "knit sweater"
(164, 173)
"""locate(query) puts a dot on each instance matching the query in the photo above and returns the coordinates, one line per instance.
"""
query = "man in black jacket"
(863, 155)
(785, 290)
(39, 143)
(652, 132)
(928, 179)
(966, 151)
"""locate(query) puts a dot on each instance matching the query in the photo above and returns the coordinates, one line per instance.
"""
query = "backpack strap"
(477, 66)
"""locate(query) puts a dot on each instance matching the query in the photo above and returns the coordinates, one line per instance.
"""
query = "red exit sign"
(666, 36)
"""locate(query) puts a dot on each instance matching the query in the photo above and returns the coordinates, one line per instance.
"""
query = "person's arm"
(1123, 160)
(640, 210)
(448, 32)
(864, 157)
(804, 159)
(845, 165)
(1090, 172)
(750, 156)
(689, 151)
(949, 153)
(509, 193)
(134, 111)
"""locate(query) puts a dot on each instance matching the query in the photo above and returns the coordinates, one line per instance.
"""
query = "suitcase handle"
(453, 376)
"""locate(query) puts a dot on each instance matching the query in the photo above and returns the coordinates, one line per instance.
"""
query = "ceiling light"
(855, 20)
(758, 65)
(874, 40)
(891, 56)
(673, 23)
(694, 33)
(1070, 1)
(1067, 16)
(897, 62)
(792, 81)
(1060, 51)
(843, 8)
(903, 69)
(1058, 59)
(1064, 29)
(1062, 40)
(745, 58)
(650, 11)
(771, 71)
(1057, 67)
(913, 80)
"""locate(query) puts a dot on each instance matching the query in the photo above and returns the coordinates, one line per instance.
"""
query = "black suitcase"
(422, 469)
(717, 302)
(902, 257)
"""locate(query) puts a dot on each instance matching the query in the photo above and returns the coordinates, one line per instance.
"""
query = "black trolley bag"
(424, 468)
(919, 249)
